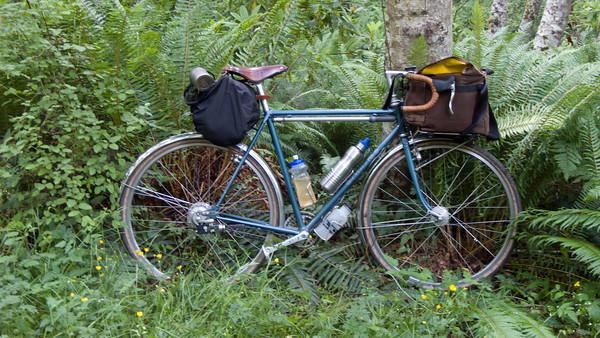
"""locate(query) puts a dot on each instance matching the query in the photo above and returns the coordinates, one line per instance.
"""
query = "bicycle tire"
(475, 189)
(175, 178)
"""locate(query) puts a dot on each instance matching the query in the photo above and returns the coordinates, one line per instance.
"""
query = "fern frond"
(582, 250)
(521, 119)
(529, 326)
(591, 152)
(564, 220)
(494, 322)
(94, 11)
(301, 282)
(334, 270)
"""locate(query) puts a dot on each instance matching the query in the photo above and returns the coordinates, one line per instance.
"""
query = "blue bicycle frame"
(355, 115)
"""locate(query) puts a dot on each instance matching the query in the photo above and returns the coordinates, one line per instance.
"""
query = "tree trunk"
(407, 22)
(417, 32)
(553, 24)
(532, 8)
(498, 16)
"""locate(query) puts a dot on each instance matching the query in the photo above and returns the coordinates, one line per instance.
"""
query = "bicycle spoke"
(399, 224)
(472, 236)
(450, 239)
(163, 197)
(403, 233)
(458, 178)
(422, 243)
(160, 194)
(422, 191)
(472, 192)
(183, 188)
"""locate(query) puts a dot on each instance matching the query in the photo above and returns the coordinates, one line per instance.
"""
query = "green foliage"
(573, 230)
(546, 104)
(547, 108)
(571, 309)
(54, 159)
(583, 251)
(87, 85)
(418, 54)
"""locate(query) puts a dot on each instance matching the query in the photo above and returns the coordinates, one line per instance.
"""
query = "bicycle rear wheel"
(170, 187)
(464, 183)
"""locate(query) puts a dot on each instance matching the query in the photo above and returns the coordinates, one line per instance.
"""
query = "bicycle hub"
(440, 215)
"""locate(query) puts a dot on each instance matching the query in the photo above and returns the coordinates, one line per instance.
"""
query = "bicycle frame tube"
(413, 172)
(356, 115)
(350, 181)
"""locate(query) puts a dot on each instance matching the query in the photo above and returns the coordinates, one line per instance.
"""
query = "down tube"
(349, 182)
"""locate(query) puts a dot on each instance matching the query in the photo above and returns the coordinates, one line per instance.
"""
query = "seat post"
(263, 102)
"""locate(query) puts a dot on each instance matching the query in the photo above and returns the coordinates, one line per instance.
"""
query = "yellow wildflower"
(424, 322)
(98, 267)
(99, 258)
(577, 284)
(139, 314)
(83, 299)
(179, 267)
(158, 256)
(276, 260)
(452, 288)
(100, 242)
(139, 253)
(146, 249)
(72, 294)
(424, 297)
(438, 307)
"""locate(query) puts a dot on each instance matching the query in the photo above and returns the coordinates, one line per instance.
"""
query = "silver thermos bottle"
(342, 169)
(201, 79)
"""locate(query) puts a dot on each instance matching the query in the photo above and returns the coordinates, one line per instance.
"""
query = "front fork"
(437, 214)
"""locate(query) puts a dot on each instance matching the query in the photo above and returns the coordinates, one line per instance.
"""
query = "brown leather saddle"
(256, 74)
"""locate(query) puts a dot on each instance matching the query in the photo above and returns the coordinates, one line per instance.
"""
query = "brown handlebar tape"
(434, 94)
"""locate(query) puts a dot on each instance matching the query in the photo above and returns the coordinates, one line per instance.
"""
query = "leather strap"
(482, 101)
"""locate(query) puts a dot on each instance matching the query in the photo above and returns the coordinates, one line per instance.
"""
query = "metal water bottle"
(201, 79)
(344, 166)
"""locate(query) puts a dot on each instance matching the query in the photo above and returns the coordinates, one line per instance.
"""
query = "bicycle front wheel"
(471, 191)
(165, 198)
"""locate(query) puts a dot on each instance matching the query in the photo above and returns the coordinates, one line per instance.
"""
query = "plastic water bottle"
(302, 184)
(342, 169)
(333, 222)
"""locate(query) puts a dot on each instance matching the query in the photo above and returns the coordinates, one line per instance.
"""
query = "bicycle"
(430, 202)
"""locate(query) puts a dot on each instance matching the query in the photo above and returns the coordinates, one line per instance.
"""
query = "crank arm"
(269, 250)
